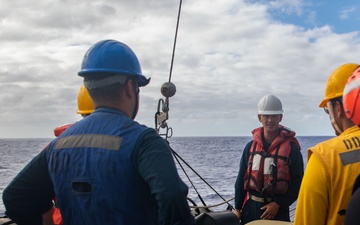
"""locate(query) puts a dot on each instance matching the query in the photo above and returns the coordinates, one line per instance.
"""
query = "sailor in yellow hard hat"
(85, 108)
(333, 165)
(84, 102)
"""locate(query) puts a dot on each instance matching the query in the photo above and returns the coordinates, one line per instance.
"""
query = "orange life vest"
(56, 216)
(268, 171)
(60, 129)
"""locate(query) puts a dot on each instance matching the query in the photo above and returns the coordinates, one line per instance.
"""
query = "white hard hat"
(269, 105)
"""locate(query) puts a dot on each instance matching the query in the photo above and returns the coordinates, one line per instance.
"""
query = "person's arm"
(30, 193)
(313, 196)
(296, 176)
(352, 215)
(156, 166)
(240, 193)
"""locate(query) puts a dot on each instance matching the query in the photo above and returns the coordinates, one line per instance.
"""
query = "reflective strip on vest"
(89, 141)
(350, 157)
(256, 162)
(268, 166)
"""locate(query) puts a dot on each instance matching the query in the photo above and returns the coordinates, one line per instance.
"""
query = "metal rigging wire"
(168, 90)
(175, 39)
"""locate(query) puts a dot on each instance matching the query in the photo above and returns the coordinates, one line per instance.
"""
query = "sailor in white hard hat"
(271, 168)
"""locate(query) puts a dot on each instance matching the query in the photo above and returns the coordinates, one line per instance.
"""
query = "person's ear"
(340, 112)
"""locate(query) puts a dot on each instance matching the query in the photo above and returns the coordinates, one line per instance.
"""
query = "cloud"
(229, 54)
(346, 12)
(287, 6)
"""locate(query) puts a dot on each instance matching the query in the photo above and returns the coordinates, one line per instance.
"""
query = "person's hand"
(271, 210)
(238, 213)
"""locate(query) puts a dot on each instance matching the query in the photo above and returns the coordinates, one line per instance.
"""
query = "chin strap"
(137, 90)
(136, 108)
(332, 119)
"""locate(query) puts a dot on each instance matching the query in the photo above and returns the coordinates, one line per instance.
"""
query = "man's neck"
(270, 136)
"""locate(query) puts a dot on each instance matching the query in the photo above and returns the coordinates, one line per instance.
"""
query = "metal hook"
(162, 117)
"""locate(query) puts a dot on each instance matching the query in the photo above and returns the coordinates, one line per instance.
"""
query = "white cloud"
(288, 6)
(228, 55)
(346, 12)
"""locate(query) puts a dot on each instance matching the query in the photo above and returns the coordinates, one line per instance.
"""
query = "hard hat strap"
(93, 84)
(332, 117)
(137, 90)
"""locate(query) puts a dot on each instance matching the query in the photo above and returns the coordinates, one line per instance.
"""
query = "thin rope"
(192, 184)
(174, 153)
(211, 206)
(176, 32)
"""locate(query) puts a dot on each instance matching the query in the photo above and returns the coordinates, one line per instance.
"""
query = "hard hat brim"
(325, 100)
(114, 78)
(323, 103)
(270, 112)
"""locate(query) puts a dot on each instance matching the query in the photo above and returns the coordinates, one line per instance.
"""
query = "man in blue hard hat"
(106, 168)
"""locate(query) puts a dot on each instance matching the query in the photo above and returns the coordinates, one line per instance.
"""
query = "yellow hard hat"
(85, 104)
(336, 82)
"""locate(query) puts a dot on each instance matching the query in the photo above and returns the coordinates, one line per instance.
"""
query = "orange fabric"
(260, 171)
(57, 219)
(60, 129)
(56, 216)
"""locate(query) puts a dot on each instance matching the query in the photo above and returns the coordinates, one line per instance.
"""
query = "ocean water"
(209, 165)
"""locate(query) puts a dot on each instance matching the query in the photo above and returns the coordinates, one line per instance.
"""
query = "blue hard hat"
(109, 58)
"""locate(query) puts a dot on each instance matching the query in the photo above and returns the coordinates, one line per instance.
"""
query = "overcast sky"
(229, 54)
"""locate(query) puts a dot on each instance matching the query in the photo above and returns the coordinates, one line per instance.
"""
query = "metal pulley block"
(168, 89)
